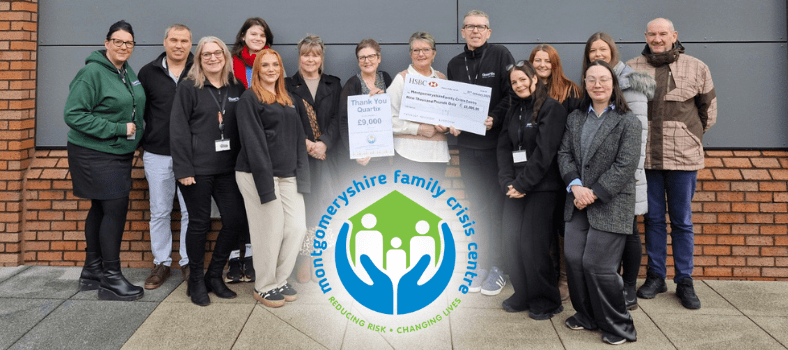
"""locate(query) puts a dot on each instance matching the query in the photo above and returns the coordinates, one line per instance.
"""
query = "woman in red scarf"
(254, 36)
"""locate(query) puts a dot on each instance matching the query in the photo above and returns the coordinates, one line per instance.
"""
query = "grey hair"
(670, 23)
(176, 26)
(424, 36)
(477, 13)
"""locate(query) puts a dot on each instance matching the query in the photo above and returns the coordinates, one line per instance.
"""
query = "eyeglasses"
(368, 57)
(472, 27)
(420, 51)
(517, 64)
(207, 55)
(593, 80)
(119, 43)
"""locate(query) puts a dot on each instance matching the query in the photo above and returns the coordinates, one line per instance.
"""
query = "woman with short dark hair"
(104, 110)
(597, 159)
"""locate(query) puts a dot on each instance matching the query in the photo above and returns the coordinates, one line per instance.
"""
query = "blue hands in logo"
(377, 297)
(413, 297)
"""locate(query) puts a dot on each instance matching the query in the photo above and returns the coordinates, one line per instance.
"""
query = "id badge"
(519, 157)
(131, 137)
(222, 145)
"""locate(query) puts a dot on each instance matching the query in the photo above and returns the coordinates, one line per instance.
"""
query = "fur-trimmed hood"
(629, 78)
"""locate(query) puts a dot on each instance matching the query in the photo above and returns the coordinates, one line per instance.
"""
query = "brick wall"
(18, 35)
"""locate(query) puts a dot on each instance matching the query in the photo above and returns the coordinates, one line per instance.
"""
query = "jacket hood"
(640, 82)
(100, 57)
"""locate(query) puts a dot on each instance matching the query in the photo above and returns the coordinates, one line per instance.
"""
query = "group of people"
(573, 165)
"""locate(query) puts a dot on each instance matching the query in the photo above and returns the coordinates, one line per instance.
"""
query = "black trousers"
(528, 231)
(633, 254)
(479, 170)
(595, 287)
(197, 197)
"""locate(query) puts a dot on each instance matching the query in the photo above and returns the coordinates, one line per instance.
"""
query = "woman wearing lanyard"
(204, 143)
(528, 175)
(106, 125)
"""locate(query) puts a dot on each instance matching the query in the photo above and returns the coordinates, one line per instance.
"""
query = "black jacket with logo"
(160, 92)
(485, 66)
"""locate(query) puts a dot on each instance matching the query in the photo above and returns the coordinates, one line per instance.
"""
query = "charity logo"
(395, 257)
(371, 139)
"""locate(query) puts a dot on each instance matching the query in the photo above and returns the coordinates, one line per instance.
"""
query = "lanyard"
(122, 74)
(520, 130)
(478, 67)
(221, 110)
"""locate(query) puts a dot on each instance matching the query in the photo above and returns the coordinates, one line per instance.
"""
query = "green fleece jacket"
(100, 103)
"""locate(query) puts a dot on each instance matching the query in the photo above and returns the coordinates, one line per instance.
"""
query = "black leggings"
(630, 260)
(104, 227)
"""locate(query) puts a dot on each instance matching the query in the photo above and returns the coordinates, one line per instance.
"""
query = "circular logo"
(371, 139)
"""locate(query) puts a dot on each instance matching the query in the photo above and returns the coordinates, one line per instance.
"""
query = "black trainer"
(654, 285)
(288, 292)
(686, 292)
(630, 298)
(235, 273)
(547, 315)
(613, 339)
(509, 305)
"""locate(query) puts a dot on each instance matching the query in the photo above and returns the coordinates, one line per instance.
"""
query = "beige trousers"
(276, 229)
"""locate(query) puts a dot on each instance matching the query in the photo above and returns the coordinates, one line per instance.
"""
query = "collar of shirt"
(611, 107)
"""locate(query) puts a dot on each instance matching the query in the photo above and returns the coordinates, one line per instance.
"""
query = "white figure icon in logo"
(420, 245)
(369, 242)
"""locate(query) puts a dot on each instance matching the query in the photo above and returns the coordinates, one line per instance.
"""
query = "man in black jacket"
(160, 78)
(484, 64)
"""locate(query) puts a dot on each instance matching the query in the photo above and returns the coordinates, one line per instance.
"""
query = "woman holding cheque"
(528, 175)
(597, 159)
(417, 143)
(272, 172)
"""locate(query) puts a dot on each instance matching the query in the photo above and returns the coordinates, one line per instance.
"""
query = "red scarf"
(239, 66)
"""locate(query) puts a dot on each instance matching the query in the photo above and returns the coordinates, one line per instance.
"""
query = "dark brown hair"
(617, 98)
(239, 38)
(540, 94)
(610, 43)
(368, 43)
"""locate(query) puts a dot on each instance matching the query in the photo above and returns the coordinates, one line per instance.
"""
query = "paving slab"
(42, 282)
(81, 324)
(668, 303)
(649, 335)
(759, 304)
(498, 329)
(754, 287)
(777, 327)
(698, 331)
(17, 316)
(359, 337)
(478, 300)
(188, 326)
(263, 330)
(6, 272)
(311, 293)
(137, 277)
(321, 323)
(244, 291)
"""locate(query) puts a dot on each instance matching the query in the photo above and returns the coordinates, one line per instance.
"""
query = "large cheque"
(369, 126)
(443, 102)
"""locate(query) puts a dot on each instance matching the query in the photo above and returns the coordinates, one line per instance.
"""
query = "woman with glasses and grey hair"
(319, 94)
(528, 175)
(104, 110)
(204, 141)
(421, 148)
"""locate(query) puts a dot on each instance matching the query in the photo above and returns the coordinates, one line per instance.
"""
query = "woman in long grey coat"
(597, 160)
(638, 88)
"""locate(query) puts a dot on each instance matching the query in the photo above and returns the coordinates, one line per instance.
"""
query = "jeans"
(161, 183)
(679, 186)
(479, 170)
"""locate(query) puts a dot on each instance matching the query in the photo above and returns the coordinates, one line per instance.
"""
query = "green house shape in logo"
(400, 221)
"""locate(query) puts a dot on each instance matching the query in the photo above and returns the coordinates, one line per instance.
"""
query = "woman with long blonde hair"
(273, 173)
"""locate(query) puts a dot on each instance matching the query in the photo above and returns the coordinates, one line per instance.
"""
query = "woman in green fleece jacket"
(104, 110)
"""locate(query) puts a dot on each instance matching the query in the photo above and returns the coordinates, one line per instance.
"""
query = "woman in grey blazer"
(597, 160)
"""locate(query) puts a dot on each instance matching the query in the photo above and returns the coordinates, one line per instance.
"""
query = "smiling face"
(177, 44)
(118, 55)
(421, 54)
(542, 65)
(660, 36)
(474, 36)
(599, 50)
(522, 85)
(368, 60)
(270, 70)
(212, 58)
(309, 63)
(601, 89)
(255, 38)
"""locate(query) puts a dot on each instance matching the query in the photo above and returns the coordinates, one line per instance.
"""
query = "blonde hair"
(196, 73)
(282, 96)
(313, 43)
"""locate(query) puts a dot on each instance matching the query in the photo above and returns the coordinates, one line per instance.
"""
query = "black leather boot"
(115, 287)
(90, 278)
(196, 287)
(213, 279)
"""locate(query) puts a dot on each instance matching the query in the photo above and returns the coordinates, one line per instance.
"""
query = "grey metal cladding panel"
(575, 20)
(343, 21)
